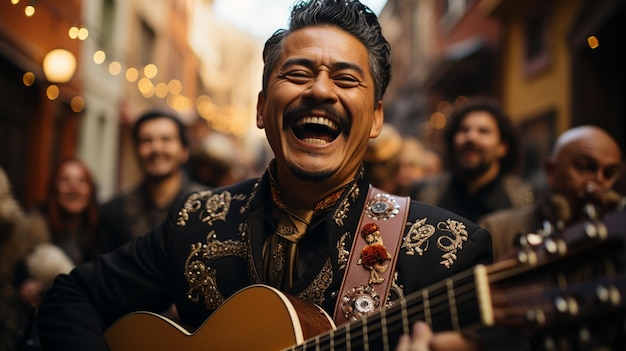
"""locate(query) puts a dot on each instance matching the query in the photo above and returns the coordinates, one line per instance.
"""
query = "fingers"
(452, 341)
(419, 341)
(404, 344)
(423, 339)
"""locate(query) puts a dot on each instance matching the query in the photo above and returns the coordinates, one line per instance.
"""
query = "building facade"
(39, 117)
(551, 64)
(138, 55)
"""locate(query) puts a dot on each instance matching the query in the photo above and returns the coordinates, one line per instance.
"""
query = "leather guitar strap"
(359, 296)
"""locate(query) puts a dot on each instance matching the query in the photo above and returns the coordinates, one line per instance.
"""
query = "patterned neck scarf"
(280, 251)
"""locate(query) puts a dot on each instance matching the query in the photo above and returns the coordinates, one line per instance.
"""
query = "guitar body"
(256, 318)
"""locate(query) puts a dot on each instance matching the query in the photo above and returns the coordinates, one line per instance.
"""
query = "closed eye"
(298, 77)
(346, 81)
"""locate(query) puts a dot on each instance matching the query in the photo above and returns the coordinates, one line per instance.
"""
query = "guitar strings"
(438, 307)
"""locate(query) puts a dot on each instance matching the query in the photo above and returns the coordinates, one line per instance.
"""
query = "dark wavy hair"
(350, 16)
(156, 114)
(508, 132)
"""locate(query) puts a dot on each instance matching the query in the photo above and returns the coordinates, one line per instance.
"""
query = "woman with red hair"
(71, 209)
(70, 212)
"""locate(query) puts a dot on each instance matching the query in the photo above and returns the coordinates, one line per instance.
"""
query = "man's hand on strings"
(422, 338)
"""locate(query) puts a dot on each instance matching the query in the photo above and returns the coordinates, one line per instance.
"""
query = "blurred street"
(551, 64)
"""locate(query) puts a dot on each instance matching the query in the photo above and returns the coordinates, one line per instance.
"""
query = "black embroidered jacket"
(210, 246)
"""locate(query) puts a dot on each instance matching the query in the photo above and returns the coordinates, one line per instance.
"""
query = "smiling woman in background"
(70, 212)
(71, 209)
(35, 247)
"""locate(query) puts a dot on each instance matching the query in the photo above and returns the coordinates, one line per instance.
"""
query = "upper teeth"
(317, 120)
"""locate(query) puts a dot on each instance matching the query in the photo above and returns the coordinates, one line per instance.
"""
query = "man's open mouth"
(316, 130)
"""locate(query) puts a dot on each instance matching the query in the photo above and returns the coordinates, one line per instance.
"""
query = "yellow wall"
(548, 90)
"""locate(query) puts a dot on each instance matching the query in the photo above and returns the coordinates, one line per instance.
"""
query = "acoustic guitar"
(573, 284)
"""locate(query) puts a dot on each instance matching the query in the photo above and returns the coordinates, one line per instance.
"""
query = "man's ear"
(503, 149)
(378, 120)
(260, 103)
(185, 156)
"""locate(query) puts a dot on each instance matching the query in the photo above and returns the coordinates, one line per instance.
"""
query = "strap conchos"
(369, 274)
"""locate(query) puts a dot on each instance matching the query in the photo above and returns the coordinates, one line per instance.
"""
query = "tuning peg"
(527, 257)
(608, 295)
(596, 229)
(536, 316)
(555, 246)
(551, 242)
(566, 305)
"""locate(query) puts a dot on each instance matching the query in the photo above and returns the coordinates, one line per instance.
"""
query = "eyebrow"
(335, 66)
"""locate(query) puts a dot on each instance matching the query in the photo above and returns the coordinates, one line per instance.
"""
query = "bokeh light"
(28, 79)
(52, 92)
(77, 104)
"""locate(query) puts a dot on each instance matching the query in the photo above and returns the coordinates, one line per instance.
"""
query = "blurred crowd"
(476, 176)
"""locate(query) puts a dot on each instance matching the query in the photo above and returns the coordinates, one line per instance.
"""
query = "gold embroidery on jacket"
(192, 204)
(317, 289)
(342, 253)
(216, 206)
(201, 277)
(451, 244)
(246, 207)
(416, 240)
(342, 210)
(396, 291)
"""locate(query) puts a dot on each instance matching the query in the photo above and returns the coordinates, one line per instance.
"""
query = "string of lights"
(143, 78)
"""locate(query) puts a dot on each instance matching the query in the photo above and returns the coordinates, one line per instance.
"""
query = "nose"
(597, 181)
(155, 145)
(321, 89)
(68, 185)
(598, 176)
(472, 134)
(464, 136)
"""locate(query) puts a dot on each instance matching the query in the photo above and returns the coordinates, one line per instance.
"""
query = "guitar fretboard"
(452, 304)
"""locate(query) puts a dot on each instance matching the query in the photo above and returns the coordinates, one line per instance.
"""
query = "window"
(107, 22)
(536, 48)
(147, 43)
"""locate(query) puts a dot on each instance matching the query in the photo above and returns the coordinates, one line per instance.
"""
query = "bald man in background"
(583, 167)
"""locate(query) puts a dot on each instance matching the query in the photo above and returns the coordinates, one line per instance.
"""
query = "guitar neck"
(453, 304)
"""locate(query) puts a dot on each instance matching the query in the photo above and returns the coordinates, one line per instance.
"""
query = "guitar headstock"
(567, 287)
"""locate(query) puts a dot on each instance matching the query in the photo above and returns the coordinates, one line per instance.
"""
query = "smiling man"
(482, 151)
(161, 149)
(319, 109)
(294, 228)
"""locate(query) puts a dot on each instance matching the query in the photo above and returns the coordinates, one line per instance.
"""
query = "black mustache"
(154, 155)
(470, 147)
(292, 114)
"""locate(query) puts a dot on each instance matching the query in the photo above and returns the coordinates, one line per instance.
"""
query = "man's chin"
(311, 176)
(159, 175)
(472, 171)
